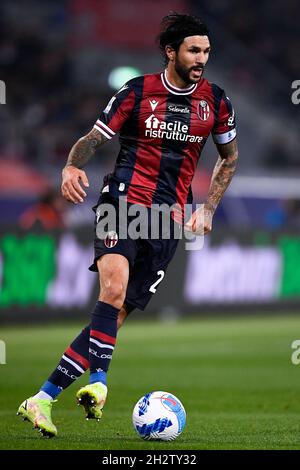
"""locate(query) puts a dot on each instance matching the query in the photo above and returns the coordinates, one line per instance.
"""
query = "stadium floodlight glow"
(120, 75)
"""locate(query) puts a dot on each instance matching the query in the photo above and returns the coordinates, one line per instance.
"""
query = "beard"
(185, 72)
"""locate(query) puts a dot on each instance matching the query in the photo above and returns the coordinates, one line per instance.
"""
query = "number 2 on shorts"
(161, 275)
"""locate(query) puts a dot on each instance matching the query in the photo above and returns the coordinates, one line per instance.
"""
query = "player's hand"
(70, 187)
(200, 222)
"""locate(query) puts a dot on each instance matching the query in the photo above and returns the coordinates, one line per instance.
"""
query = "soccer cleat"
(38, 412)
(92, 397)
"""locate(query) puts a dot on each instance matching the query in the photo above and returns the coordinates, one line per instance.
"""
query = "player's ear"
(170, 53)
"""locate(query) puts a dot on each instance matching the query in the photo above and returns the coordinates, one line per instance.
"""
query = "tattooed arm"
(201, 220)
(72, 173)
(222, 174)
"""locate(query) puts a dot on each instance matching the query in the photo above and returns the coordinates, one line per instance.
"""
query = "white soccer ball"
(159, 416)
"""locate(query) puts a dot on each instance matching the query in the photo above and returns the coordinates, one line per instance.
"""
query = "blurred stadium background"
(61, 61)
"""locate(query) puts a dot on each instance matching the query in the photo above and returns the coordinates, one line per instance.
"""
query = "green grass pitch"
(234, 376)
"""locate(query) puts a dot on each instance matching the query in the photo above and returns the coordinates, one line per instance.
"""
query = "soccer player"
(163, 121)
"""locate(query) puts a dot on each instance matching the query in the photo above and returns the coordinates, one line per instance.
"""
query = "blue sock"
(99, 376)
(51, 389)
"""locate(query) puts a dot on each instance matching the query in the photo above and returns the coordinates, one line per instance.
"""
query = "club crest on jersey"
(203, 110)
(111, 239)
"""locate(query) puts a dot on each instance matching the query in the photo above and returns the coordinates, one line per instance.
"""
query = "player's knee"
(113, 294)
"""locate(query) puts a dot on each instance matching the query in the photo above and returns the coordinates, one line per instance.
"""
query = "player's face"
(191, 58)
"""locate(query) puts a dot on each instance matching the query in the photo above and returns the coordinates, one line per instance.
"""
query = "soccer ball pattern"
(159, 416)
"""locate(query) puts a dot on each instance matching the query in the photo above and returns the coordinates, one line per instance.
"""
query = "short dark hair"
(176, 27)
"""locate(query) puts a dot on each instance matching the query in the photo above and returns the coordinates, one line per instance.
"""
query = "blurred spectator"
(285, 215)
(278, 154)
(48, 213)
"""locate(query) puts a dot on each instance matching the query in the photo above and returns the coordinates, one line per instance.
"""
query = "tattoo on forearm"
(217, 167)
(85, 148)
(222, 174)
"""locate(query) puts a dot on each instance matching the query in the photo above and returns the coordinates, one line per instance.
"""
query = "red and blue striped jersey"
(162, 131)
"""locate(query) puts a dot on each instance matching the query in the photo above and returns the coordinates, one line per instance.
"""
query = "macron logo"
(152, 122)
(153, 104)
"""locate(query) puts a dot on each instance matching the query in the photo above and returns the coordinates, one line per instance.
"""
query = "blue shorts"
(148, 258)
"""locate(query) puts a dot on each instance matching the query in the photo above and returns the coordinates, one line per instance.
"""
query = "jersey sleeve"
(116, 112)
(224, 130)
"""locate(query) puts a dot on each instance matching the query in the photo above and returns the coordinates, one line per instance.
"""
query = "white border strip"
(101, 345)
(265, 186)
(102, 131)
(224, 138)
(73, 364)
(189, 88)
(106, 128)
(184, 91)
